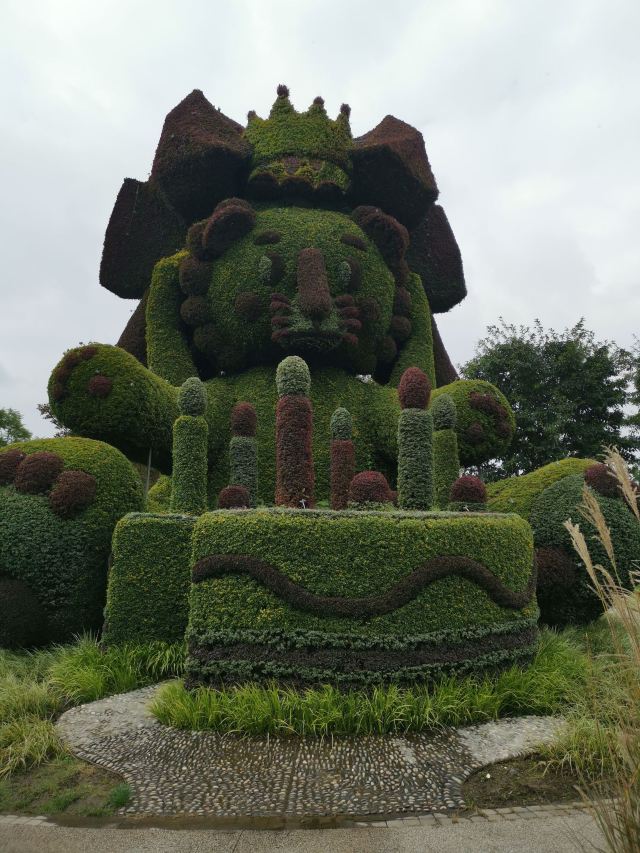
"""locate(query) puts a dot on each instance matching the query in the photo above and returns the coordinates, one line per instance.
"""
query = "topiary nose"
(314, 297)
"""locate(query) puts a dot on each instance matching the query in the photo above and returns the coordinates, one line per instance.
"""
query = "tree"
(568, 392)
(11, 427)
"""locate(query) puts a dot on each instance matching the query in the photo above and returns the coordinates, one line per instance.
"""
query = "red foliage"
(9, 461)
(314, 297)
(231, 220)
(343, 466)
(414, 389)
(487, 404)
(387, 350)
(195, 310)
(370, 487)
(294, 458)
(194, 275)
(37, 472)
(370, 310)
(391, 238)
(73, 491)
(468, 490)
(243, 419)
(400, 327)
(602, 480)
(266, 237)
(234, 497)
(475, 433)
(99, 386)
(248, 305)
(402, 302)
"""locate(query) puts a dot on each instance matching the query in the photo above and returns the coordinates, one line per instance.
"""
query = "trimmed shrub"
(294, 429)
(343, 457)
(443, 412)
(192, 397)
(517, 494)
(602, 480)
(9, 461)
(369, 488)
(260, 610)
(234, 497)
(468, 489)
(147, 597)
(189, 479)
(556, 569)
(415, 442)
(63, 560)
(578, 603)
(482, 434)
(446, 464)
(73, 492)
(37, 472)
(243, 453)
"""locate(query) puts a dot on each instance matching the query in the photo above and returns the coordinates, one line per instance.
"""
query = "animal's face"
(299, 280)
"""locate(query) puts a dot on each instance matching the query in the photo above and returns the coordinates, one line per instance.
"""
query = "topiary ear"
(391, 238)
(231, 220)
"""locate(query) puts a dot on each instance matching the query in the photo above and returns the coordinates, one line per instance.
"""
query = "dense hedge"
(343, 457)
(189, 479)
(517, 494)
(294, 432)
(240, 627)
(446, 464)
(562, 604)
(149, 579)
(484, 420)
(61, 552)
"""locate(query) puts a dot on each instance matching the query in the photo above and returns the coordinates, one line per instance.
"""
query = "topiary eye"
(270, 268)
(349, 274)
(344, 275)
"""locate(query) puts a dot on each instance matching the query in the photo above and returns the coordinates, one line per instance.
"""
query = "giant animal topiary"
(287, 237)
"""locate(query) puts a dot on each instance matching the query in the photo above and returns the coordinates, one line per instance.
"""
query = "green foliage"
(243, 464)
(443, 412)
(517, 494)
(192, 397)
(341, 424)
(64, 561)
(491, 443)
(550, 509)
(418, 350)
(149, 579)
(159, 495)
(381, 549)
(189, 480)
(293, 377)
(446, 463)
(557, 674)
(415, 459)
(11, 427)
(567, 389)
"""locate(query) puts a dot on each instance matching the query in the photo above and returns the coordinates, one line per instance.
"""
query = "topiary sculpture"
(415, 442)
(370, 490)
(294, 429)
(343, 458)
(468, 493)
(446, 458)
(243, 458)
(284, 237)
(190, 433)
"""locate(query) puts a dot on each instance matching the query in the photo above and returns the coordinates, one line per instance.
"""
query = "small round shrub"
(468, 489)
(555, 568)
(72, 492)
(248, 305)
(195, 311)
(293, 377)
(243, 420)
(602, 480)
(9, 461)
(402, 302)
(400, 327)
(341, 425)
(192, 397)
(22, 620)
(443, 412)
(99, 386)
(387, 350)
(369, 487)
(234, 497)
(195, 276)
(414, 389)
(36, 473)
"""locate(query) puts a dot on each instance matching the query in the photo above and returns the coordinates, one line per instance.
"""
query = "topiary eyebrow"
(265, 237)
(353, 240)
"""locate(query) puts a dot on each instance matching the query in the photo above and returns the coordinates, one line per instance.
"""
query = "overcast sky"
(530, 113)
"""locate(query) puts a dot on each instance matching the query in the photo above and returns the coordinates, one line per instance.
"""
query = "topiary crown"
(300, 153)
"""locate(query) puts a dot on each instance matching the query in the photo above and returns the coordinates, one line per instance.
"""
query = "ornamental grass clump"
(294, 430)
(243, 450)
(613, 735)
(190, 447)
(446, 457)
(343, 458)
(415, 442)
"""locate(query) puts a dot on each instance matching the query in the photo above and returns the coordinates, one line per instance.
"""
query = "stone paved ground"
(173, 772)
